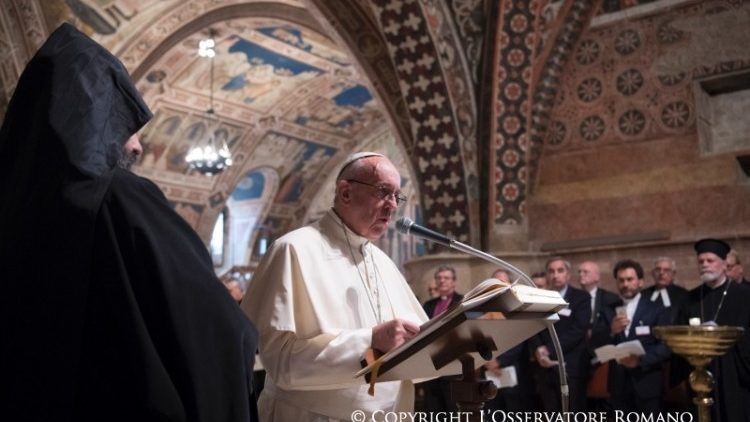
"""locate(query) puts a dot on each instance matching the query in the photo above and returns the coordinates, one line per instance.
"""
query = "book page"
(485, 287)
(483, 292)
(633, 347)
(534, 293)
(507, 378)
(610, 351)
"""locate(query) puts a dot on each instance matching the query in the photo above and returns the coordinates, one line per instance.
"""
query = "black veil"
(109, 306)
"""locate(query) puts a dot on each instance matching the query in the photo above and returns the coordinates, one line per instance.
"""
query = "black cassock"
(731, 371)
(109, 306)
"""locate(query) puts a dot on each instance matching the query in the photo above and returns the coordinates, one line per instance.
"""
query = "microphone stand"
(404, 226)
(564, 390)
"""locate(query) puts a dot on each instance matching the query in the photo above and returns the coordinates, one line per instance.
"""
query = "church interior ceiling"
(286, 96)
(468, 115)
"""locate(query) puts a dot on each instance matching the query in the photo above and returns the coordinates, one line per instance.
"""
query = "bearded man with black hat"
(717, 301)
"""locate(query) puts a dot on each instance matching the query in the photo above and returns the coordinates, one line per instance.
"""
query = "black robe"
(731, 371)
(109, 307)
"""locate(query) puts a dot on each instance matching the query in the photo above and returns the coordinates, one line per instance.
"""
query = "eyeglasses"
(383, 192)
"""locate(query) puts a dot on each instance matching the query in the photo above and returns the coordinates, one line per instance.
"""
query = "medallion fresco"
(633, 82)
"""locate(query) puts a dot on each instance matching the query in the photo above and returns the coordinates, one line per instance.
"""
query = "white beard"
(709, 276)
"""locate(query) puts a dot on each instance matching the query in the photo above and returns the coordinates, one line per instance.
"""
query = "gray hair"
(667, 259)
(558, 258)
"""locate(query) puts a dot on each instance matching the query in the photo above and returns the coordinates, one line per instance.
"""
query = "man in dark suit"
(589, 278)
(437, 395)
(635, 382)
(571, 329)
(664, 291)
(668, 294)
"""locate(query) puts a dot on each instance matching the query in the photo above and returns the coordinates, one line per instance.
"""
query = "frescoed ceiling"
(468, 101)
(285, 96)
(289, 98)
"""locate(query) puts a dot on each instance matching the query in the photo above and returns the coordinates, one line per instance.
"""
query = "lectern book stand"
(492, 318)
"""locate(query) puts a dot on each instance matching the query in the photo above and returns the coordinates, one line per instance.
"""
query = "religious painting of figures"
(345, 110)
(249, 74)
(304, 160)
(306, 41)
(170, 134)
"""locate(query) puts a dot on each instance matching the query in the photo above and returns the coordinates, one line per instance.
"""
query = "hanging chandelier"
(210, 156)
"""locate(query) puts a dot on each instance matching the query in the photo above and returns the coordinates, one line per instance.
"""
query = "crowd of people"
(128, 322)
(651, 382)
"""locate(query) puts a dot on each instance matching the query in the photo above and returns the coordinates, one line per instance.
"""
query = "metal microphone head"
(403, 225)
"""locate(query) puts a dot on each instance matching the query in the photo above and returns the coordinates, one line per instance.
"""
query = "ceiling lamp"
(210, 156)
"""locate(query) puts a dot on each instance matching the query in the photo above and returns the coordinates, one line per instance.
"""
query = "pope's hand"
(393, 333)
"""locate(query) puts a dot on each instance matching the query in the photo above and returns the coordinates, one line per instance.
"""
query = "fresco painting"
(107, 17)
(248, 74)
(305, 160)
(158, 139)
(306, 41)
(167, 138)
(268, 76)
(348, 110)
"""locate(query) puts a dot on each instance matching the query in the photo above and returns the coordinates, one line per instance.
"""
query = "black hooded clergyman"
(109, 306)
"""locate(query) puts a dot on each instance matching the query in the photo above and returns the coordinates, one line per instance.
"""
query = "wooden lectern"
(491, 319)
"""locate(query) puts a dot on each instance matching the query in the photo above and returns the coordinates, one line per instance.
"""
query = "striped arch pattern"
(437, 152)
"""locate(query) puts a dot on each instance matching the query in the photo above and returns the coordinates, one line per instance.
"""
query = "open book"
(520, 306)
(610, 351)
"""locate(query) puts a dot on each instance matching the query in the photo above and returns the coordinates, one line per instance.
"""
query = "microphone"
(406, 226)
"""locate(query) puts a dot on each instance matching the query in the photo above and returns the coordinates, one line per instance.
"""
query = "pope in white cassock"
(324, 294)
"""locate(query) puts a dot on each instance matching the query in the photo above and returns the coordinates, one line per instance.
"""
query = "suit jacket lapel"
(597, 304)
(638, 315)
